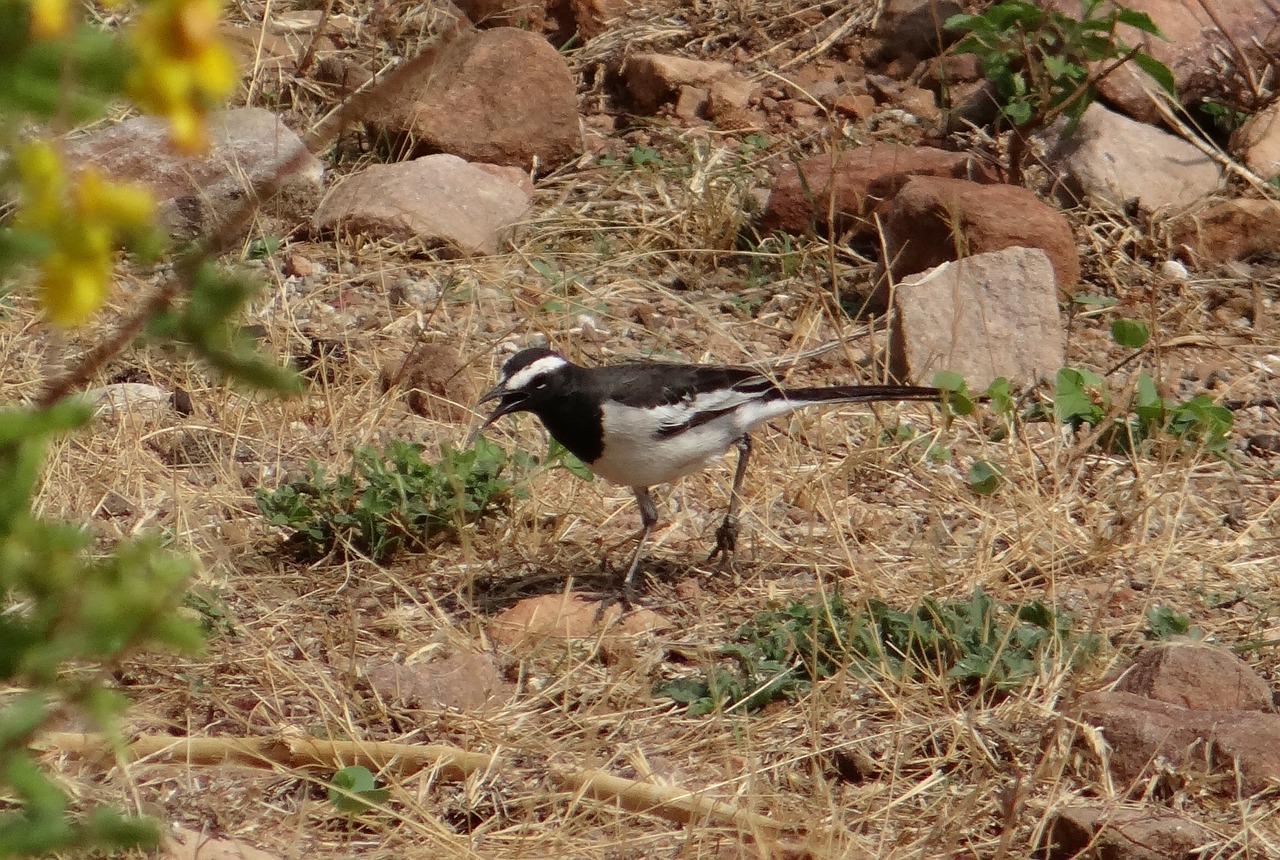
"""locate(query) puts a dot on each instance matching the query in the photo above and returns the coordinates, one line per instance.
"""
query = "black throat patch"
(576, 422)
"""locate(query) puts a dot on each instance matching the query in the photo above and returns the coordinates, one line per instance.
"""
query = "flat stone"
(1197, 675)
(436, 199)
(1112, 160)
(1139, 730)
(434, 382)
(1123, 834)
(570, 616)
(1258, 141)
(989, 315)
(465, 681)
(653, 79)
(137, 398)
(249, 148)
(1212, 49)
(1229, 230)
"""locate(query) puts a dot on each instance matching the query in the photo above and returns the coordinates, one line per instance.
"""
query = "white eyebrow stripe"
(525, 375)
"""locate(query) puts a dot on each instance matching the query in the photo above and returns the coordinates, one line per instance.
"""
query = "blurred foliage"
(71, 611)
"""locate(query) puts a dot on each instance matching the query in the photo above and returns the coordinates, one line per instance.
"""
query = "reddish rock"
(434, 381)
(1139, 729)
(653, 79)
(941, 73)
(1211, 48)
(249, 148)
(1123, 834)
(437, 200)
(567, 616)
(911, 30)
(1112, 160)
(299, 265)
(917, 101)
(501, 96)
(989, 315)
(523, 14)
(933, 219)
(692, 102)
(857, 106)
(1199, 676)
(1257, 142)
(585, 18)
(465, 681)
(841, 183)
(1229, 230)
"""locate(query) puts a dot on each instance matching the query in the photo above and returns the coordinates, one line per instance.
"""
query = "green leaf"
(1163, 623)
(984, 477)
(1138, 20)
(354, 790)
(1072, 402)
(1158, 72)
(1130, 333)
(999, 396)
(1094, 301)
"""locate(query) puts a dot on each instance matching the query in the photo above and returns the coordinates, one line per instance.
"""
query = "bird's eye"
(539, 385)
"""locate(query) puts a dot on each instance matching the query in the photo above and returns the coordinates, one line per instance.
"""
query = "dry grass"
(888, 769)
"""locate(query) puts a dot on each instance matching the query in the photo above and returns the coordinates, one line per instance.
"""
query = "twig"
(670, 802)
(451, 763)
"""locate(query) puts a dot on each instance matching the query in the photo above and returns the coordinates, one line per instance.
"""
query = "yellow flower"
(122, 206)
(186, 129)
(49, 18)
(215, 72)
(71, 290)
(196, 23)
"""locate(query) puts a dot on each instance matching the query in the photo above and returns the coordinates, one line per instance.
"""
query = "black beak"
(511, 401)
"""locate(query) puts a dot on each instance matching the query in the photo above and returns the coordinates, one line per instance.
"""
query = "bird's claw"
(726, 542)
(624, 598)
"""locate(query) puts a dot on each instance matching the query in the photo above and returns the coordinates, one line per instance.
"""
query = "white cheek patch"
(522, 377)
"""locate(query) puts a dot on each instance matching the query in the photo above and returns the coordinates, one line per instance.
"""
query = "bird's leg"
(625, 594)
(648, 519)
(727, 534)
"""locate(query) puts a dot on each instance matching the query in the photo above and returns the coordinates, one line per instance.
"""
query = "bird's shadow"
(497, 591)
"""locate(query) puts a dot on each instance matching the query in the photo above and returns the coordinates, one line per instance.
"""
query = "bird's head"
(528, 378)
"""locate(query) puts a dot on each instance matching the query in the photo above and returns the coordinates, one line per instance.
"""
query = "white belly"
(637, 455)
(638, 462)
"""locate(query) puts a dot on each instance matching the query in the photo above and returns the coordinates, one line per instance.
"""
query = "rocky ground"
(731, 183)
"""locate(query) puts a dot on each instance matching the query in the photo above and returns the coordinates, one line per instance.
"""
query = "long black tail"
(860, 393)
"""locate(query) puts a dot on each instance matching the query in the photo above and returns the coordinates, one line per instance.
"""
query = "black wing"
(650, 384)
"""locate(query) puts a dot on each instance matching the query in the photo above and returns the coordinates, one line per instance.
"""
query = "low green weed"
(974, 645)
(392, 499)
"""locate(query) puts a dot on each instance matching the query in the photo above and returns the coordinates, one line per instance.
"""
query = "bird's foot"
(624, 598)
(726, 543)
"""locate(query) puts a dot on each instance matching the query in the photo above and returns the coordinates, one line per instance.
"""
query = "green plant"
(1039, 61)
(353, 790)
(1164, 623)
(984, 477)
(392, 499)
(262, 248)
(974, 645)
(1082, 399)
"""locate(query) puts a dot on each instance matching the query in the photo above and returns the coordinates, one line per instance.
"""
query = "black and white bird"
(645, 422)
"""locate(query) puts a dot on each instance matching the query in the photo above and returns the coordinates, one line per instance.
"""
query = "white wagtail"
(646, 422)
